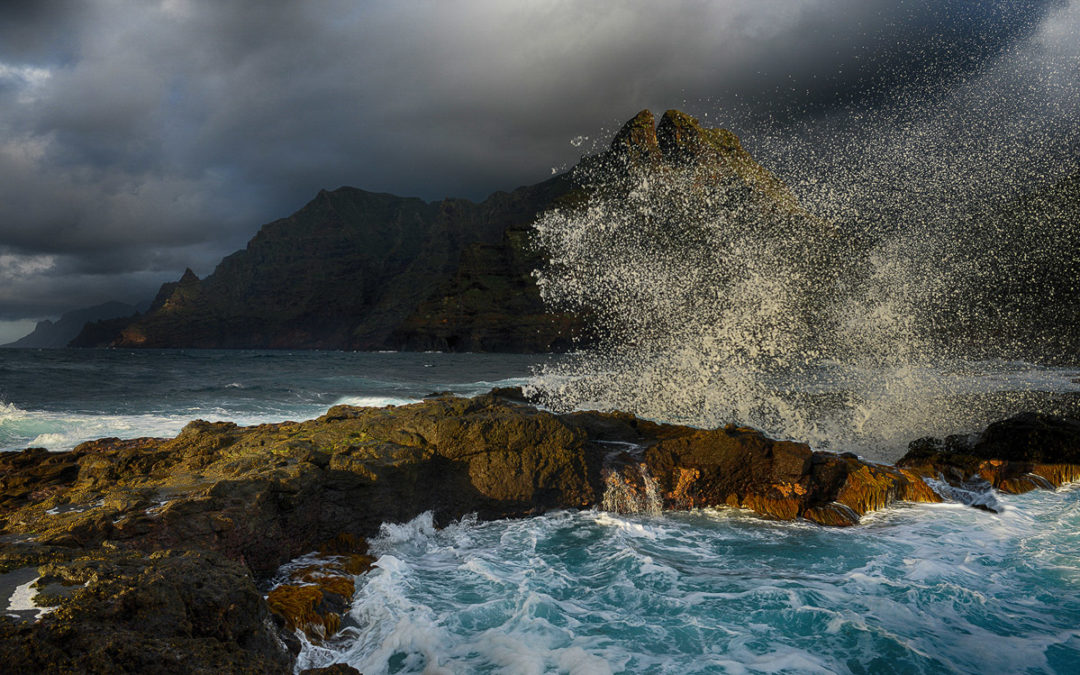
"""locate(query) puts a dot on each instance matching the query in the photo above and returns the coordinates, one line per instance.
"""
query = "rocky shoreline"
(211, 551)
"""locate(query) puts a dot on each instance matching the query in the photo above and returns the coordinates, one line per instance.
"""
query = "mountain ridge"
(360, 270)
(48, 334)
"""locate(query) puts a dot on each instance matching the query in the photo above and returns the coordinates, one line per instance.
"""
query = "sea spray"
(918, 588)
(716, 297)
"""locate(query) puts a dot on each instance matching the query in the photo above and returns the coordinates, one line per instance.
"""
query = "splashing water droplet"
(717, 297)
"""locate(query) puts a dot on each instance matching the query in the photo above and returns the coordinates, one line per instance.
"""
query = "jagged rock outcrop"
(263, 495)
(1023, 453)
(636, 142)
(680, 142)
(740, 467)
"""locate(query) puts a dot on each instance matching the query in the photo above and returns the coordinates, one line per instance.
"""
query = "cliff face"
(341, 273)
(359, 270)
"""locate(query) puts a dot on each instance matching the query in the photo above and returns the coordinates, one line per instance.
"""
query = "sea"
(916, 588)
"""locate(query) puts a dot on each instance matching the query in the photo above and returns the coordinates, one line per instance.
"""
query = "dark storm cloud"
(139, 138)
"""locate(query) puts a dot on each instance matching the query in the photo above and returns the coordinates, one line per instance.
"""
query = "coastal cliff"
(163, 554)
(364, 271)
(357, 270)
(341, 273)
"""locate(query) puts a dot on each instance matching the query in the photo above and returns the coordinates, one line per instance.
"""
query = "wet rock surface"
(166, 555)
(169, 612)
(1022, 453)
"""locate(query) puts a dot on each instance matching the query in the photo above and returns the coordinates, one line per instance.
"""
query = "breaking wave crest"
(924, 588)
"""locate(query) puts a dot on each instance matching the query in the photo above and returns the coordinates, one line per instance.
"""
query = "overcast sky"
(139, 138)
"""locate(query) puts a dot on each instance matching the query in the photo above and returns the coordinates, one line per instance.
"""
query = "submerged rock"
(156, 545)
(336, 669)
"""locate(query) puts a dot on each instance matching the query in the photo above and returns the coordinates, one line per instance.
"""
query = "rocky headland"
(57, 334)
(215, 550)
(364, 271)
(358, 270)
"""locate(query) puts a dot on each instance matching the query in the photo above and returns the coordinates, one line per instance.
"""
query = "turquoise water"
(916, 588)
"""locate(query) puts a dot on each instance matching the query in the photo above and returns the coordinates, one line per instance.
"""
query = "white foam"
(979, 495)
(9, 411)
(420, 527)
(375, 401)
(634, 528)
(591, 592)
(59, 431)
(62, 431)
(22, 599)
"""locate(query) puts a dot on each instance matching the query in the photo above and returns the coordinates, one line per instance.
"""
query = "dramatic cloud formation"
(138, 138)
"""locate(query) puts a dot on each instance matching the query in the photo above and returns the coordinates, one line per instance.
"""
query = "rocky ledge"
(216, 550)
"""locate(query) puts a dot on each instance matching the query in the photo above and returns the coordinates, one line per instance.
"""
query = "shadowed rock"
(170, 612)
(1014, 456)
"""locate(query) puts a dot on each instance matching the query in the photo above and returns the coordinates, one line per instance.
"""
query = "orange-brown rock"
(306, 608)
(1023, 453)
(240, 502)
(741, 467)
(315, 597)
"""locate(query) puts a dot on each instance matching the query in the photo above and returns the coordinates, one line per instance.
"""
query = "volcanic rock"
(1014, 456)
(360, 270)
(740, 467)
(150, 549)
(169, 612)
(636, 142)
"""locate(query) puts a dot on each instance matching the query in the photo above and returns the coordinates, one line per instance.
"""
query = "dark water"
(58, 398)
